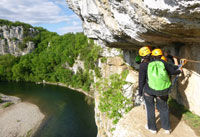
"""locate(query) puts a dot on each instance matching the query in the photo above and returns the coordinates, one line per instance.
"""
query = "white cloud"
(47, 13)
(33, 11)
(70, 29)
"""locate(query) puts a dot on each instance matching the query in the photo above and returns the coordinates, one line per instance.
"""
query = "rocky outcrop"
(129, 23)
(133, 125)
(113, 65)
(19, 118)
(12, 40)
(172, 25)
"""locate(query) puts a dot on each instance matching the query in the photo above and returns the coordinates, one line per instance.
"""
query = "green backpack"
(158, 78)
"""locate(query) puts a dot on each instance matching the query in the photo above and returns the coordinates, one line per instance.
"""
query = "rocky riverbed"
(18, 118)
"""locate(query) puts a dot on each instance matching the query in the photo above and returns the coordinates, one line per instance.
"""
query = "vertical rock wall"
(113, 65)
(172, 25)
(11, 38)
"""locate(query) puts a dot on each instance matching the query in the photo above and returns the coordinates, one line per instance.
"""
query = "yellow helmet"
(157, 52)
(164, 58)
(144, 51)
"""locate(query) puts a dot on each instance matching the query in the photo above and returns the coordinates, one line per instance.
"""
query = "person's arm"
(171, 70)
(142, 77)
(174, 66)
(175, 60)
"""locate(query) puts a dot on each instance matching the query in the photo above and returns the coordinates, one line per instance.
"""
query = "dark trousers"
(162, 106)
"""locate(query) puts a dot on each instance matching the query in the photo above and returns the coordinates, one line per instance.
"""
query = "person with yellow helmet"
(145, 55)
(146, 50)
(157, 52)
(154, 81)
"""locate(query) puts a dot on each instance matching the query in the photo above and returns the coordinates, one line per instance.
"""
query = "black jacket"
(143, 78)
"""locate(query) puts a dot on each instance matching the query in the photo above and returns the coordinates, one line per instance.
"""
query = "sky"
(53, 15)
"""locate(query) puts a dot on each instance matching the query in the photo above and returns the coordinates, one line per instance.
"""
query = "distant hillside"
(51, 58)
(16, 38)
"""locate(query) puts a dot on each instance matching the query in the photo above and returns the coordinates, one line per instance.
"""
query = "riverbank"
(18, 118)
(63, 85)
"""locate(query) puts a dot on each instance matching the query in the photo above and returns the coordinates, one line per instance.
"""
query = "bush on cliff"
(112, 100)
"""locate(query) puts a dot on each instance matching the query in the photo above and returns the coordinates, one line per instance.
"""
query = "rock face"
(136, 128)
(111, 66)
(172, 25)
(12, 40)
(129, 23)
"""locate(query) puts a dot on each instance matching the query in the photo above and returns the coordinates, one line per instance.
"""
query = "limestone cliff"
(12, 40)
(129, 23)
(172, 25)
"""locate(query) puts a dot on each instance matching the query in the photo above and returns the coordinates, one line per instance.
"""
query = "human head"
(144, 51)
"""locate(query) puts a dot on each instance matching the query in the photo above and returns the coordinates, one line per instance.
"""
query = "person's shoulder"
(144, 65)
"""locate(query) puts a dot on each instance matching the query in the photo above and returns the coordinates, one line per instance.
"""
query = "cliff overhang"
(129, 24)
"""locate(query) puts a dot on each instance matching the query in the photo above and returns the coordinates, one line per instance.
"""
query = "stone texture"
(133, 125)
(172, 25)
(113, 65)
(188, 84)
(129, 23)
(21, 119)
(132, 77)
(11, 37)
(117, 61)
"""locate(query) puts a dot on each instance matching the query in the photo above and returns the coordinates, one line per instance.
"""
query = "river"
(67, 113)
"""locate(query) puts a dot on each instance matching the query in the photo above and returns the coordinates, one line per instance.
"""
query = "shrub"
(1, 99)
(7, 104)
(112, 101)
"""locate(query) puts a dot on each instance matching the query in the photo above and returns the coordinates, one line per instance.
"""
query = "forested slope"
(52, 58)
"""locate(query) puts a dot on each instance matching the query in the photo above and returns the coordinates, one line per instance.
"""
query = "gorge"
(118, 29)
(170, 25)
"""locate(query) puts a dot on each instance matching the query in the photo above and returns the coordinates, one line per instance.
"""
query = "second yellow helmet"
(157, 52)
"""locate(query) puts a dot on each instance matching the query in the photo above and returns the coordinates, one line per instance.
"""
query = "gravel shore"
(18, 119)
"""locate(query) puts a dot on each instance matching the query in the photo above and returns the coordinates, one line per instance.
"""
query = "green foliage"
(7, 104)
(17, 23)
(6, 63)
(112, 101)
(1, 99)
(29, 133)
(103, 59)
(90, 55)
(46, 61)
(82, 80)
(22, 46)
(14, 39)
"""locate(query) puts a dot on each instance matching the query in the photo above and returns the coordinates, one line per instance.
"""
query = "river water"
(67, 113)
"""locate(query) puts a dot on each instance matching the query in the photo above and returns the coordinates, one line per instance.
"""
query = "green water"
(67, 113)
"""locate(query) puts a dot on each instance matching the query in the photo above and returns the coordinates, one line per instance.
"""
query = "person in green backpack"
(154, 81)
